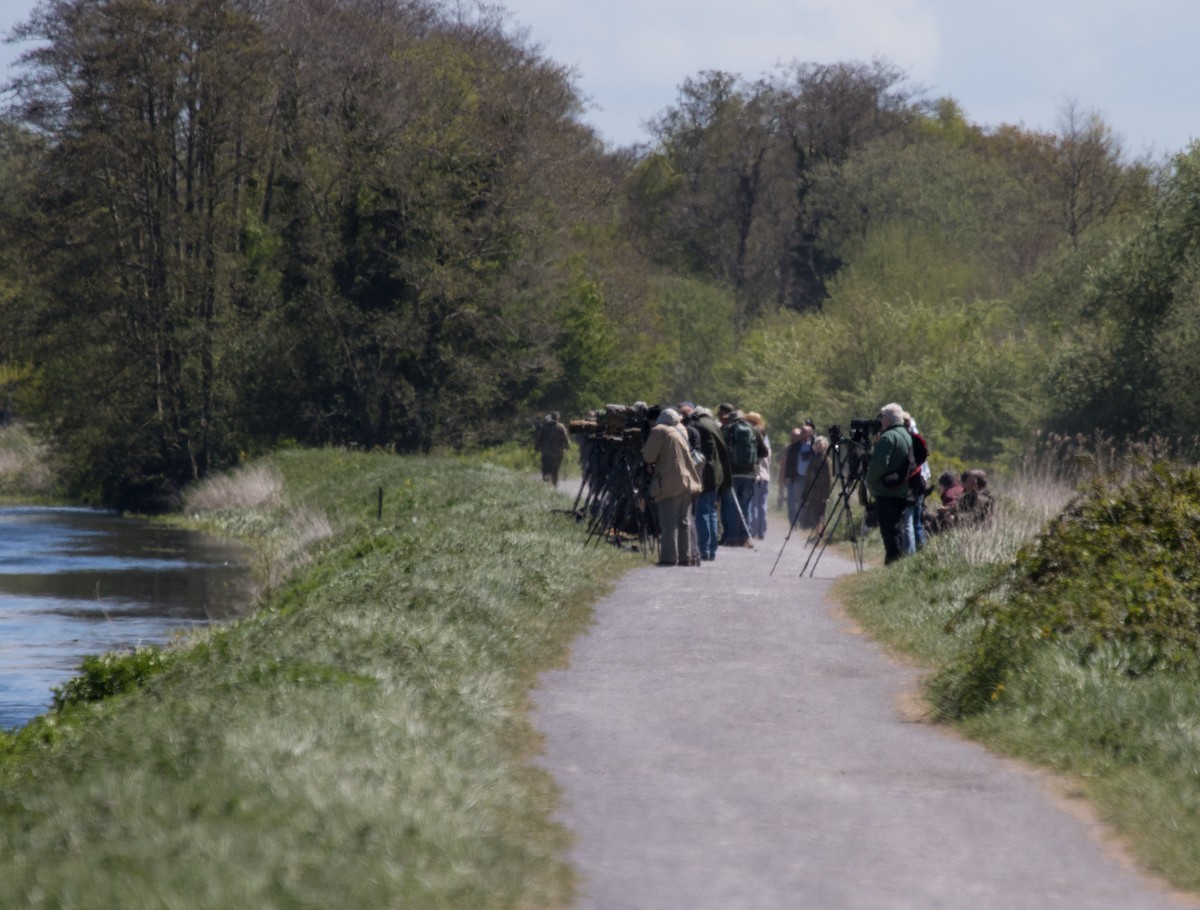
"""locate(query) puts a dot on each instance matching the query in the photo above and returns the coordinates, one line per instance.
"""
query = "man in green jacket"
(887, 478)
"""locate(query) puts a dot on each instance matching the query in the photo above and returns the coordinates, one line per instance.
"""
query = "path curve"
(725, 739)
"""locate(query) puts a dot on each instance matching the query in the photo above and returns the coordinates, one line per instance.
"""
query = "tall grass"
(1117, 713)
(26, 472)
(250, 503)
(359, 741)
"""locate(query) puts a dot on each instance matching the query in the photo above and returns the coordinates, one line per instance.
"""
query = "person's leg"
(729, 519)
(795, 490)
(686, 530)
(908, 535)
(761, 498)
(890, 512)
(668, 537)
(707, 526)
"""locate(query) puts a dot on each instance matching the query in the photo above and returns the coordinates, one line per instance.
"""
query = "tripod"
(850, 479)
(850, 459)
(815, 472)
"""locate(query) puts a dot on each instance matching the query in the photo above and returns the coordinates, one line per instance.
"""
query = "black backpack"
(917, 457)
(743, 445)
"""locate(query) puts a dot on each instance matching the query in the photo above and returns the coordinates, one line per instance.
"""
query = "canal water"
(75, 582)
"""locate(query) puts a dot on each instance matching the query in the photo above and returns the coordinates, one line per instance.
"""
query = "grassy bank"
(1074, 645)
(358, 741)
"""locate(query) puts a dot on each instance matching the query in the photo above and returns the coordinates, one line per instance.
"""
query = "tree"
(1092, 178)
(1130, 371)
(148, 109)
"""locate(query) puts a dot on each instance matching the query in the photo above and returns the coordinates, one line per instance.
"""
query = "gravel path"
(726, 739)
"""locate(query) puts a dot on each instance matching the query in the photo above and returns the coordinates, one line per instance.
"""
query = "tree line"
(229, 225)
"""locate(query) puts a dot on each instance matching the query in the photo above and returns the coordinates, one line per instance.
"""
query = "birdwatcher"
(887, 479)
(716, 479)
(673, 485)
(976, 506)
(551, 440)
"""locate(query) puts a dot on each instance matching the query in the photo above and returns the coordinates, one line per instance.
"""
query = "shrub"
(1120, 565)
(104, 675)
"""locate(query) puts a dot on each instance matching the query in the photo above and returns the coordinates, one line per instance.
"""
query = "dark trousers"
(890, 510)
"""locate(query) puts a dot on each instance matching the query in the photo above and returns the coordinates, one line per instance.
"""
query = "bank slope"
(361, 740)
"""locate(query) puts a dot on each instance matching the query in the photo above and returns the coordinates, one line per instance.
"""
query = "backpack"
(920, 449)
(917, 457)
(743, 446)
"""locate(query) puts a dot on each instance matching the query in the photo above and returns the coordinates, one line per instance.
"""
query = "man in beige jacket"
(674, 484)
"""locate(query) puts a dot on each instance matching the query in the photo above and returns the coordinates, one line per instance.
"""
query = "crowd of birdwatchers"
(709, 478)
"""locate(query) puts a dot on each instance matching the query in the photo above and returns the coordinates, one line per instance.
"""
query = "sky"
(1004, 61)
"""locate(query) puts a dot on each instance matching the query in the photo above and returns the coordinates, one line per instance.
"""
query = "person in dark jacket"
(551, 440)
(736, 525)
(818, 489)
(793, 473)
(887, 479)
(715, 479)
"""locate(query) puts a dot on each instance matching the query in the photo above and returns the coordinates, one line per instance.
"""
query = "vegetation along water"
(76, 582)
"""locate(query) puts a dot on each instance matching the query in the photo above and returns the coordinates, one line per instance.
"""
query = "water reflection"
(77, 581)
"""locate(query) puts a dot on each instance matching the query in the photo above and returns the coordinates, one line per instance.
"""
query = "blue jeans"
(758, 509)
(708, 526)
(913, 529)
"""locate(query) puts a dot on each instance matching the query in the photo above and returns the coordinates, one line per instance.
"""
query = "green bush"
(104, 675)
(1120, 565)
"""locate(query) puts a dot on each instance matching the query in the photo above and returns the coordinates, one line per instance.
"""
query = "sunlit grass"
(359, 741)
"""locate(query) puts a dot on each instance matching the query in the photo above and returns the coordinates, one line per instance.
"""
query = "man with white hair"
(887, 479)
(674, 484)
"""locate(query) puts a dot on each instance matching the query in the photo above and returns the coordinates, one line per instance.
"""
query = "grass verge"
(1076, 664)
(360, 740)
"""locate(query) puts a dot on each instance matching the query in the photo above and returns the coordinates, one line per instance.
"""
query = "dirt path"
(726, 740)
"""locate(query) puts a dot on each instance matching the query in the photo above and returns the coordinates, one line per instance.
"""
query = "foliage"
(727, 194)
(229, 224)
(105, 675)
(698, 319)
(26, 466)
(257, 222)
(1130, 371)
(1116, 567)
(962, 369)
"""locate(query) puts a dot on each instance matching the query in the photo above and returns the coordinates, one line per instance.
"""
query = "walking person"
(551, 440)
(674, 484)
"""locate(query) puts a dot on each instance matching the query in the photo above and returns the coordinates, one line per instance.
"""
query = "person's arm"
(881, 458)
(652, 450)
